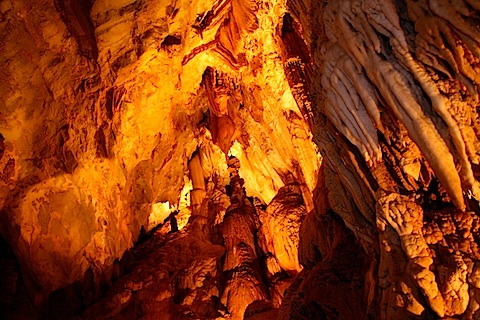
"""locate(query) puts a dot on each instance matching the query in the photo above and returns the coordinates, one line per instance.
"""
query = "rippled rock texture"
(395, 86)
(294, 144)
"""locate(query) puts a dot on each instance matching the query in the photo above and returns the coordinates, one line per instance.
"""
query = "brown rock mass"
(239, 159)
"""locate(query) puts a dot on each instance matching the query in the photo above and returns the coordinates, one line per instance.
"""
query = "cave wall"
(103, 105)
(395, 86)
(355, 126)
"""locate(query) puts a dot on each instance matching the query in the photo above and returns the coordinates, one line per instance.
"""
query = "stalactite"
(393, 84)
(240, 19)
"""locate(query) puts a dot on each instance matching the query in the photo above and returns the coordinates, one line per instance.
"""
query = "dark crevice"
(293, 43)
(449, 48)
(15, 301)
(351, 27)
(104, 139)
(387, 50)
(109, 103)
(407, 25)
(287, 25)
(171, 41)
(76, 16)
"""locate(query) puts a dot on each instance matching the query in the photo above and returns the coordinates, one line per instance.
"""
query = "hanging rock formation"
(395, 102)
(296, 144)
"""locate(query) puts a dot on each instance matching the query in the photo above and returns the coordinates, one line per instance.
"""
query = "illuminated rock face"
(116, 113)
(304, 144)
(397, 123)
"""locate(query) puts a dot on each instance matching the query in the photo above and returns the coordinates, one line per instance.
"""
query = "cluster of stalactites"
(370, 69)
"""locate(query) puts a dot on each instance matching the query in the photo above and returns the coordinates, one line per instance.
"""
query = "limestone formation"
(225, 159)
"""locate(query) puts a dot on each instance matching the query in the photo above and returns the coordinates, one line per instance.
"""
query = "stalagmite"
(244, 285)
(198, 193)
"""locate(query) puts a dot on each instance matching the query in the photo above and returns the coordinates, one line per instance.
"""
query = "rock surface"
(103, 105)
(400, 98)
(296, 144)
